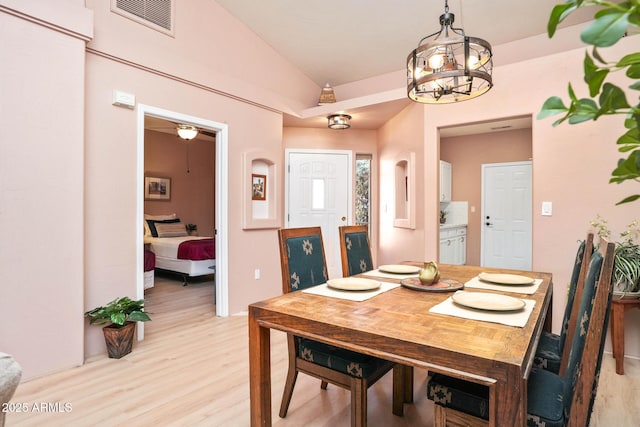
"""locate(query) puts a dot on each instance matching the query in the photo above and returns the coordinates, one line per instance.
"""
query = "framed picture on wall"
(258, 187)
(157, 188)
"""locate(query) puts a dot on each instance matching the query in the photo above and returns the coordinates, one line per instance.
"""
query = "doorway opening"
(466, 147)
(219, 232)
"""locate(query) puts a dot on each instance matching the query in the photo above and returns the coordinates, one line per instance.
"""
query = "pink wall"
(86, 166)
(41, 185)
(571, 167)
(467, 154)
(192, 189)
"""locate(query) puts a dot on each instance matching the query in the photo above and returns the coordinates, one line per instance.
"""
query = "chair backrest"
(302, 259)
(355, 250)
(576, 286)
(588, 341)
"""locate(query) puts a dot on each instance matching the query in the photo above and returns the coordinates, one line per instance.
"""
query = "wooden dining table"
(397, 325)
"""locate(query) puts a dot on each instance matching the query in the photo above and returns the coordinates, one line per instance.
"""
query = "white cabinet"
(453, 245)
(445, 181)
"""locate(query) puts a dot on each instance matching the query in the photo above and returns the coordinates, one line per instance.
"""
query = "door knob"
(344, 218)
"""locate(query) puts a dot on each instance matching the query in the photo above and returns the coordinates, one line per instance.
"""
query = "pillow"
(160, 217)
(171, 229)
(147, 231)
(153, 224)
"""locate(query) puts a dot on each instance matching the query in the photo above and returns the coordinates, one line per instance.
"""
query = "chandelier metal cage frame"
(449, 66)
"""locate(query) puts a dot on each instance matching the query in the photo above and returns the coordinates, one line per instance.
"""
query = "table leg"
(259, 373)
(617, 335)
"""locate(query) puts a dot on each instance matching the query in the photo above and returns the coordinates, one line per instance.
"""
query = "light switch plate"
(547, 208)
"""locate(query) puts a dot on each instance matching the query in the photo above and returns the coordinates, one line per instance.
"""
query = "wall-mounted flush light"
(339, 121)
(187, 132)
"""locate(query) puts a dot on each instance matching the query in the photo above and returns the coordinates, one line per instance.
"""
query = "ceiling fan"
(168, 126)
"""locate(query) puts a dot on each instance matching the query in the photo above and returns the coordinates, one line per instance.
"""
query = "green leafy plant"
(612, 22)
(118, 312)
(626, 271)
(191, 227)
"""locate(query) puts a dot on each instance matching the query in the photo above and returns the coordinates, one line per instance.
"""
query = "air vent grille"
(157, 14)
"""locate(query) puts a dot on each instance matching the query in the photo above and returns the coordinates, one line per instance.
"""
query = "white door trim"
(222, 204)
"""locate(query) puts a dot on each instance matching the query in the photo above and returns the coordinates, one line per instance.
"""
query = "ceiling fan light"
(187, 132)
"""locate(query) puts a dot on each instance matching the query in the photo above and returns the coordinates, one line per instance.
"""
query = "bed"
(175, 250)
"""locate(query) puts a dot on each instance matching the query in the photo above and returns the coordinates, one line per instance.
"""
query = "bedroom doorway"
(220, 130)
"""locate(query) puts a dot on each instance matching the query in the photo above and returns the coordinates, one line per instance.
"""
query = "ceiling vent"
(156, 14)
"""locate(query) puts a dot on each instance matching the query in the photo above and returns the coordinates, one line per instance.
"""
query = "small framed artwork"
(258, 187)
(157, 188)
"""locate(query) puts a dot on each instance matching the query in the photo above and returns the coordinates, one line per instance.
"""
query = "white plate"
(399, 269)
(353, 284)
(506, 279)
(487, 301)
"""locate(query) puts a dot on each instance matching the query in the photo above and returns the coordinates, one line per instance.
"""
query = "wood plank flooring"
(192, 370)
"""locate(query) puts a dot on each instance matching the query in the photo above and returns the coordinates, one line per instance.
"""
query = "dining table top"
(398, 325)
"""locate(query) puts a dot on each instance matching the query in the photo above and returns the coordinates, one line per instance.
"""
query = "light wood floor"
(192, 370)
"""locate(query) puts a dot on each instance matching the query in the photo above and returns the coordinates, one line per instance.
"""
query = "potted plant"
(626, 271)
(192, 229)
(443, 217)
(119, 316)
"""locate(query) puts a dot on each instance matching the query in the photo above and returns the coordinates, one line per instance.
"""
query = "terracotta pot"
(119, 340)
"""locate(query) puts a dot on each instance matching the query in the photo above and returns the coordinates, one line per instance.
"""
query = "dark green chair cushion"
(306, 262)
(460, 395)
(350, 362)
(358, 253)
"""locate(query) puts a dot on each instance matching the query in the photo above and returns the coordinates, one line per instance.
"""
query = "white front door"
(319, 194)
(506, 215)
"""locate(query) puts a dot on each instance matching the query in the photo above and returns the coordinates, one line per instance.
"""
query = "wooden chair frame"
(348, 229)
(358, 386)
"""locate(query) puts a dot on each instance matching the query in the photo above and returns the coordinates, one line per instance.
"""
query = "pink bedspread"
(197, 250)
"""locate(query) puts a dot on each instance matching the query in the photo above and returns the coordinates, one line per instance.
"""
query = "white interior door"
(319, 194)
(506, 215)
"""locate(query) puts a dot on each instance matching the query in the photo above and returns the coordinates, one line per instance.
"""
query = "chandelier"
(448, 66)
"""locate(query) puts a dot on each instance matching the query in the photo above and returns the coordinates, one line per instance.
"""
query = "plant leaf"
(631, 59)
(633, 72)
(593, 76)
(611, 99)
(607, 29)
(551, 107)
(628, 168)
(585, 109)
(558, 13)
(628, 199)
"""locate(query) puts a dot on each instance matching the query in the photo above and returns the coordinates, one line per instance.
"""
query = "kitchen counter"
(447, 225)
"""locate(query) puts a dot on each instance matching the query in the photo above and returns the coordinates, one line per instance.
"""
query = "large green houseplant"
(612, 22)
(119, 316)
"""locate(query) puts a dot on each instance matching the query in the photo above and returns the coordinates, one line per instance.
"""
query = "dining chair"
(551, 353)
(355, 250)
(303, 264)
(552, 399)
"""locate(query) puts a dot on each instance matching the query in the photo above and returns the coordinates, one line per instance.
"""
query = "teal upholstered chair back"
(355, 250)
(575, 275)
(582, 326)
(304, 263)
